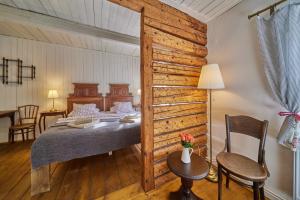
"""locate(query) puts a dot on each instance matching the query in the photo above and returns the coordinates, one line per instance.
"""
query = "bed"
(118, 93)
(85, 93)
(62, 143)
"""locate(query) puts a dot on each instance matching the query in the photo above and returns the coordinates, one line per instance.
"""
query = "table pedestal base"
(185, 192)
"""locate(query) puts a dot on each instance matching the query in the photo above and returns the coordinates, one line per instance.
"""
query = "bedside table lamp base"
(52, 94)
(53, 109)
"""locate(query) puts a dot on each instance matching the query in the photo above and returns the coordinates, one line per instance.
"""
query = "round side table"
(196, 170)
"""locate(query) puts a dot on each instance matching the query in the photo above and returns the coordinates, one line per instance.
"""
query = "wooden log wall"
(173, 50)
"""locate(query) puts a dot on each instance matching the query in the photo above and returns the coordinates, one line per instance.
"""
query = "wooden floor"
(204, 189)
(86, 178)
(100, 177)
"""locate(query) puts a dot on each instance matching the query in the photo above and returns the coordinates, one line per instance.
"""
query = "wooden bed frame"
(117, 93)
(84, 93)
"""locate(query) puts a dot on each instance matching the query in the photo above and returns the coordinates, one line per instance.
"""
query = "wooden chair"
(238, 166)
(27, 122)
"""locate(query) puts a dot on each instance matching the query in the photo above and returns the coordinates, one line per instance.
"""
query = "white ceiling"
(101, 14)
(55, 36)
(98, 13)
(203, 10)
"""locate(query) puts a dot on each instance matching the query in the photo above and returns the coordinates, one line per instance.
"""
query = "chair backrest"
(247, 126)
(28, 114)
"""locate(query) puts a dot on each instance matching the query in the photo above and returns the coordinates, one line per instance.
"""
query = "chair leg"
(227, 180)
(12, 136)
(27, 133)
(23, 137)
(255, 191)
(262, 193)
(219, 182)
(9, 136)
(34, 133)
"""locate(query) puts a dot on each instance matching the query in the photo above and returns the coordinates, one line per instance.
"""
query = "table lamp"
(52, 94)
(211, 78)
(139, 92)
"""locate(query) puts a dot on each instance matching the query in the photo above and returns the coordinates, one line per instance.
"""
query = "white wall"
(234, 46)
(58, 67)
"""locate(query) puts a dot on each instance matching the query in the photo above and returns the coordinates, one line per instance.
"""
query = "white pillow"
(84, 106)
(84, 112)
(113, 109)
(122, 107)
(116, 103)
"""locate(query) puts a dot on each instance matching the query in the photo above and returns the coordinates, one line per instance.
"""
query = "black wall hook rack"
(20, 68)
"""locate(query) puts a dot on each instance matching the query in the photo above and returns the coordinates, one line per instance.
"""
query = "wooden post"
(40, 180)
(147, 110)
(173, 50)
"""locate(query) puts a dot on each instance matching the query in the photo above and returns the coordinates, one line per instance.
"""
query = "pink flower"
(186, 137)
(182, 136)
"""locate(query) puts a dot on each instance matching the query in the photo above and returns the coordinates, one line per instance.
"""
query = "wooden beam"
(147, 110)
(39, 19)
(172, 52)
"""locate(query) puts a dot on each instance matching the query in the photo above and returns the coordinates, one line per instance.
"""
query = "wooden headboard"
(117, 93)
(85, 93)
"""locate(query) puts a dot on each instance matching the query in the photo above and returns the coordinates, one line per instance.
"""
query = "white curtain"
(279, 38)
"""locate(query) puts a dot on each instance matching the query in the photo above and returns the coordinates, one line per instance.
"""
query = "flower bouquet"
(187, 143)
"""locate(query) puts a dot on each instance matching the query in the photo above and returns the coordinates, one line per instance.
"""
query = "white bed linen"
(102, 116)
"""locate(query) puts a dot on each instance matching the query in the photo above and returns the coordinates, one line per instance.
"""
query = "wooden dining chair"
(27, 122)
(236, 166)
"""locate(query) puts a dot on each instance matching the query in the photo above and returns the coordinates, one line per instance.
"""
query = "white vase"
(186, 155)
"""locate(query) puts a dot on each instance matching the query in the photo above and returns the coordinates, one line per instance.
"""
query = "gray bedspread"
(64, 143)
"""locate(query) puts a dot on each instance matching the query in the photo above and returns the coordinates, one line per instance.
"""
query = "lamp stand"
(52, 109)
(212, 174)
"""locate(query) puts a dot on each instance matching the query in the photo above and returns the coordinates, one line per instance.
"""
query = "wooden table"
(10, 114)
(196, 170)
(44, 114)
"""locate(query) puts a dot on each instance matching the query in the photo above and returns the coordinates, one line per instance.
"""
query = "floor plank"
(86, 178)
(204, 189)
(14, 172)
(112, 180)
(97, 177)
(100, 177)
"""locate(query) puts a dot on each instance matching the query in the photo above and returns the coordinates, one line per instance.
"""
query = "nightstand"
(44, 114)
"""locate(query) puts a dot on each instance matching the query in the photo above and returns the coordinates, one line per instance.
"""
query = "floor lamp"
(211, 79)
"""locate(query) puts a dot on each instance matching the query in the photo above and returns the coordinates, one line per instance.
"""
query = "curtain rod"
(271, 8)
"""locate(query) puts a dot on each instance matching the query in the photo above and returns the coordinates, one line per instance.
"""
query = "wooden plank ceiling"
(203, 10)
(102, 14)
(96, 13)
(55, 36)
(99, 13)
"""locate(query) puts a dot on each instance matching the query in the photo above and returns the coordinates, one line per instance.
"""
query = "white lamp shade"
(211, 77)
(139, 92)
(52, 94)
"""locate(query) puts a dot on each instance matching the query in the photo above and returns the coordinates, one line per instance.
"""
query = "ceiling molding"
(39, 19)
